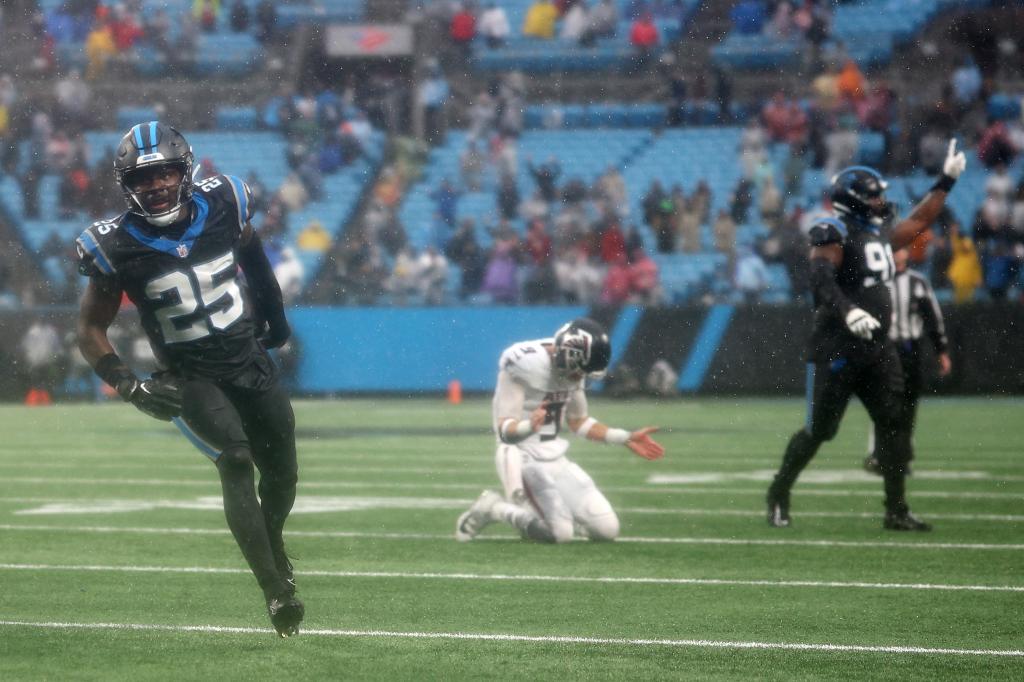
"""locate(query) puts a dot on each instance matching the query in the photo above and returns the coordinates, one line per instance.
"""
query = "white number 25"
(179, 286)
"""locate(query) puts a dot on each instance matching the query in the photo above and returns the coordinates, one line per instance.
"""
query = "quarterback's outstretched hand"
(642, 444)
(955, 162)
(159, 398)
(860, 323)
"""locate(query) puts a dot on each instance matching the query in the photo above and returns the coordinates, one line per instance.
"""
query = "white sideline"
(541, 639)
(213, 483)
(511, 538)
(503, 577)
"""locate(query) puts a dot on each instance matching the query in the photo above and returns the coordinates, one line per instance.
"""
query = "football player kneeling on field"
(547, 496)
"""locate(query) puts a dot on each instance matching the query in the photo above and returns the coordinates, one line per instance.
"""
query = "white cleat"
(477, 517)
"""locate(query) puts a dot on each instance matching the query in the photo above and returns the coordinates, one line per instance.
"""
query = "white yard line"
(647, 490)
(464, 466)
(501, 577)
(446, 503)
(539, 639)
(447, 538)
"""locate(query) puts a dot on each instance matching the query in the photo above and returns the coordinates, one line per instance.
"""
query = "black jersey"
(863, 278)
(185, 283)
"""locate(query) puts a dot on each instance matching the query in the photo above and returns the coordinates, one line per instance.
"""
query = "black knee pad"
(235, 458)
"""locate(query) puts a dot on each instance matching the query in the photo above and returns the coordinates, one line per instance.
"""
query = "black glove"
(158, 397)
(276, 335)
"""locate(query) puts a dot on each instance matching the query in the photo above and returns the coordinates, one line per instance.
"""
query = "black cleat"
(778, 510)
(904, 521)
(286, 612)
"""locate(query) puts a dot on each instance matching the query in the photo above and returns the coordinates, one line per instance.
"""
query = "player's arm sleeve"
(243, 200)
(264, 289)
(826, 291)
(931, 313)
(92, 258)
(509, 397)
(576, 409)
(825, 239)
(99, 306)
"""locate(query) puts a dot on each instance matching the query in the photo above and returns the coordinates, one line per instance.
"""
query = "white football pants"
(558, 492)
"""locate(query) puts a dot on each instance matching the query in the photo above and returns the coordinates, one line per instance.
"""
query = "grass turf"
(100, 504)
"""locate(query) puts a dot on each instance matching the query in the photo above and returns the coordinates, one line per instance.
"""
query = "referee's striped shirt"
(915, 310)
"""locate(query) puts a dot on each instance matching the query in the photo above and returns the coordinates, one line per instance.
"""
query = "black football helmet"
(147, 146)
(582, 346)
(853, 190)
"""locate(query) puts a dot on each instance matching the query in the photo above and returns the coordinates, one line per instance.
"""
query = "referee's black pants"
(877, 380)
(913, 383)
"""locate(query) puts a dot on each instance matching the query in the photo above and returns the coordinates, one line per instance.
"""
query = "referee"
(915, 311)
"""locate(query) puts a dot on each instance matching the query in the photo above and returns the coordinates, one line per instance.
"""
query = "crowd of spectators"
(553, 240)
(806, 21)
(574, 22)
(110, 33)
(556, 238)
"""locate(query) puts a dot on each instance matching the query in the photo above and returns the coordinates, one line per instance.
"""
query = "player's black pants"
(239, 428)
(913, 383)
(878, 382)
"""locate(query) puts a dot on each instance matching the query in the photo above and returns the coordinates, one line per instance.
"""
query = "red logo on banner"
(371, 39)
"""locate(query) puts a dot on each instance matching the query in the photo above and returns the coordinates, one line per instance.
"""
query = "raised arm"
(929, 208)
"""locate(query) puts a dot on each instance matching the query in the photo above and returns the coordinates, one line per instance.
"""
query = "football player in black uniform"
(850, 351)
(176, 253)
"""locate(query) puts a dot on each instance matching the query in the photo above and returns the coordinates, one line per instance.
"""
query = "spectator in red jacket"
(124, 29)
(613, 243)
(644, 37)
(643, 278)
(463, 30)
(617, 283)
(538, 243)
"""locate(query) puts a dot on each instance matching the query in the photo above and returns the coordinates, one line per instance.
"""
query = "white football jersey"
(529, 364)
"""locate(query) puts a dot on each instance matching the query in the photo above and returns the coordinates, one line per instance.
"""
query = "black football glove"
(159, 398)
(275, 335)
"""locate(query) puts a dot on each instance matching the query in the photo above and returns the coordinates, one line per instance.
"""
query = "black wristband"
(944, 183)
(112, 370)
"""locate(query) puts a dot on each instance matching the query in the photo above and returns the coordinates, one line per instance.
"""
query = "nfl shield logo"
(182, 251)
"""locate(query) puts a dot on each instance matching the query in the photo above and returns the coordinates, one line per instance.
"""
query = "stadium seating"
(541, 56)
(869, 30)
(222, 52)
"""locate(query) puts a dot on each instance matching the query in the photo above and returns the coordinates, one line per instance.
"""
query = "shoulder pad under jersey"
(231, 189)
(527, 362)
(827, 231)
(93, 247)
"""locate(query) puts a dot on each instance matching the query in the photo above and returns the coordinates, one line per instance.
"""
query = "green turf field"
(116, 562)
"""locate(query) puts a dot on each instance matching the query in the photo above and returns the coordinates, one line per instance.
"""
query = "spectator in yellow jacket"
(99, 48)
(540, 20)
(964, 270)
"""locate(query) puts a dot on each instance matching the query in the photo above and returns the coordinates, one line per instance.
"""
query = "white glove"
(860, 323)
(955, 162)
